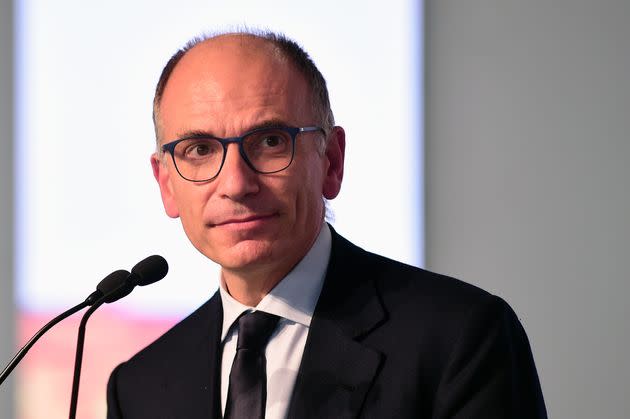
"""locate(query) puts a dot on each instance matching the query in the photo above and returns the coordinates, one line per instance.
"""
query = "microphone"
(113, 287)
(149, 270)
(145, 272)
(106, 286)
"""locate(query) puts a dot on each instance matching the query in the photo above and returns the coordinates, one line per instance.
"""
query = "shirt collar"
(295, 296)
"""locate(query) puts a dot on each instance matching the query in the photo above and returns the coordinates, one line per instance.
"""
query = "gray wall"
(7, 328)
(528, 170)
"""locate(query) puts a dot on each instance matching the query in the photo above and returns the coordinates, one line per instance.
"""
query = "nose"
(236, 179)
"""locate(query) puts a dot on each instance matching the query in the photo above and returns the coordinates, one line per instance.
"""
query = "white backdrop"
(87, 203)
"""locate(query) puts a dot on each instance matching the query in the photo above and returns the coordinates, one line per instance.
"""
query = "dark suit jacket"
(387, 340)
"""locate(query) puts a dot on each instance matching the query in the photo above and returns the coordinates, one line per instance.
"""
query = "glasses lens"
(269, 150)
(198, 159)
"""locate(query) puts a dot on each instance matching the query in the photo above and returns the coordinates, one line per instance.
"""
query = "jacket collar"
(337, 370)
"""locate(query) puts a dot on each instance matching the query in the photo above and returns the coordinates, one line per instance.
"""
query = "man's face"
(243, 220)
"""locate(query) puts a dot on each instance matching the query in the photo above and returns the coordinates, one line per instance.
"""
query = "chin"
(244, 254)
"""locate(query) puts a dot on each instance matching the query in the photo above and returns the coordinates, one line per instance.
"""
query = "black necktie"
(247, 391)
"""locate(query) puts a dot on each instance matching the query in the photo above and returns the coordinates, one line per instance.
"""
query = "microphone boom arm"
(18, 357)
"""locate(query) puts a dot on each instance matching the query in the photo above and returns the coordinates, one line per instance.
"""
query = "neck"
(251, 287)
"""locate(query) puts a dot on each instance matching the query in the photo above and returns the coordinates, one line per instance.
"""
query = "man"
(247, 153)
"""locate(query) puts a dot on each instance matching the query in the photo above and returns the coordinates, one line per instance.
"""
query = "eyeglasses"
(265, 150)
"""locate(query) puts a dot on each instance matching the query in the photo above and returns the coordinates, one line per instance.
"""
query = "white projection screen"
(87, 204)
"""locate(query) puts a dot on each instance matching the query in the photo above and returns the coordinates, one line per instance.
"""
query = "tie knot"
(254, 330)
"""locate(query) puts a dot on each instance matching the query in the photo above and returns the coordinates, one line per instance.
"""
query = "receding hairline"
(285, 48)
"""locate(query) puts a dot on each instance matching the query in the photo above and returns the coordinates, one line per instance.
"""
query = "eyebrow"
(270, 123)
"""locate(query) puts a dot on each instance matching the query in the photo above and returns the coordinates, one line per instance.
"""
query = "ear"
(335, 153)
(162, 176)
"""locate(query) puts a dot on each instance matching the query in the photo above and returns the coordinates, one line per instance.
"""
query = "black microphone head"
(120, 292)
(112, 285)
(149, 270)
(112, 281)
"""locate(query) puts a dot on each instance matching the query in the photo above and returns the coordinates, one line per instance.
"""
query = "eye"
(268, 141)
(272, 140)
(265, 144)
(198, 149)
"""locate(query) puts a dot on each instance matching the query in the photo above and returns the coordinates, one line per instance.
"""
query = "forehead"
(228, 84)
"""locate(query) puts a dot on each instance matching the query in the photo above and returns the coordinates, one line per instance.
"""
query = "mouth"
(248, 221)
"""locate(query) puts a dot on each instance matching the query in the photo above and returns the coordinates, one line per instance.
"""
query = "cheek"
(192, 200)
(308, 196)
(292, 194)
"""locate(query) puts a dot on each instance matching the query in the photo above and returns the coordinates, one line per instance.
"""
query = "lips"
(241, 220)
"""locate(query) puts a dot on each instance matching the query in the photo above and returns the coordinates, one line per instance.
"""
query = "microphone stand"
(107, 286)
(119, 292)
(78, 360)
(147, 271)
(18, 357)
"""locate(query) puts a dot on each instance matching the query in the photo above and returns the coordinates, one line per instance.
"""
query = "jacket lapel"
(194, 381)
(337, 370)
(214, 357)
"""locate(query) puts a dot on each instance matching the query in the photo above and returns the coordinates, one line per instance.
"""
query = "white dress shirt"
(293, 300)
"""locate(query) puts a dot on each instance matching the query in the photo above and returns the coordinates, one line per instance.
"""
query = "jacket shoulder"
(402, 282)
(163, 375)
(175, 349)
